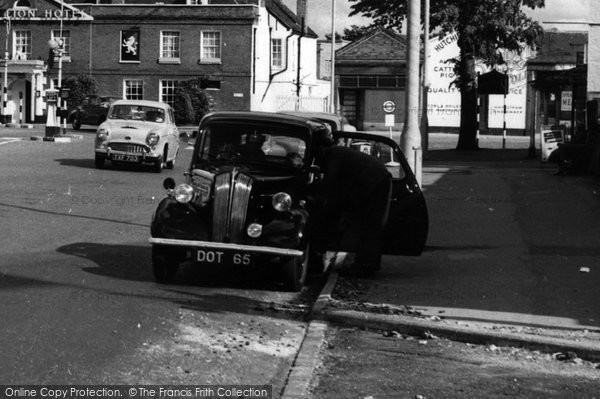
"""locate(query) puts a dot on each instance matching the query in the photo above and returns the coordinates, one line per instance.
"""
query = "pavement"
(511, 261)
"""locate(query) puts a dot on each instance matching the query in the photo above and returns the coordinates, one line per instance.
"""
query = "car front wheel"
(295, 270)
(99, 162)
(76, 123)
(164, 264)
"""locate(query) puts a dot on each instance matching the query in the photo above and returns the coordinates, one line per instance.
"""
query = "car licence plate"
(126, 157)
(222, 257)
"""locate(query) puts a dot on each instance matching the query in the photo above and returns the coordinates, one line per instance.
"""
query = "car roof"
(259, 116)
(144, 103)
(322, 116)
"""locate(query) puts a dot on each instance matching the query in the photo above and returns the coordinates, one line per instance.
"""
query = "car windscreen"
(284, 145)
(137, 112)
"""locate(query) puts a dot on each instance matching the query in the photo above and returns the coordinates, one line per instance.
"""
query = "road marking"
(6, 140)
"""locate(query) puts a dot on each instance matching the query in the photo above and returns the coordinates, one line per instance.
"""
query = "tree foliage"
(355, 32)
(191, 101)
(483, 27)
(80, 86)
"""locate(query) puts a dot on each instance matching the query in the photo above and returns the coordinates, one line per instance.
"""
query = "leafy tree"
(483, 27)
(80, 86)
(355, 32)
(338, 37)
(191, 101)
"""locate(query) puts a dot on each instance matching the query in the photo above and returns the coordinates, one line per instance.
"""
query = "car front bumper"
(274, 251)
(107, 153)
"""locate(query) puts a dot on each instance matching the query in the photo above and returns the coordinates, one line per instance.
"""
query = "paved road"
(79, 304)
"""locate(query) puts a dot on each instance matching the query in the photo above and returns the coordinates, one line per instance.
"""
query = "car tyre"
(157, 166)
(76, 123)
(99, 162)
(295, 270)
(164, 264)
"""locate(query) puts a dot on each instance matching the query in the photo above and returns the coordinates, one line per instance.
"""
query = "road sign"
(390, 120)
(389, 106)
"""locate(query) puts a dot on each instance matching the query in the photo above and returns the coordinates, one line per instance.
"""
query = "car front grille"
(128, 147)
(232, 194)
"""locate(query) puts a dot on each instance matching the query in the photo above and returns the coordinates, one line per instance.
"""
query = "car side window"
(381, 151)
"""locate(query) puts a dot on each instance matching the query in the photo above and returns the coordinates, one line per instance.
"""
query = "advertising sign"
(566, 101)
(550, 138)
(444, 97)
(130, 45)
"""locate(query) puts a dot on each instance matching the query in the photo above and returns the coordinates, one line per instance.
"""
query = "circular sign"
(389, 106)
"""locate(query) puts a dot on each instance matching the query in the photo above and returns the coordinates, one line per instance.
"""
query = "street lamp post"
(5, 116)
(53, 99)
(332, 86)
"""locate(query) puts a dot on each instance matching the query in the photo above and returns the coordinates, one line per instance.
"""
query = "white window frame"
(19, 43)
(164, 86)
(276, 43)
(131, 95)
(66, 38)
(204, 46)
(170, 55)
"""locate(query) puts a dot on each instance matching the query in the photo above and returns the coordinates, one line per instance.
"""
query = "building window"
(22, 45)
(210, 46)
(169, 46)
(134, 89)
(66, 43)
(167, 91)
(276, 53)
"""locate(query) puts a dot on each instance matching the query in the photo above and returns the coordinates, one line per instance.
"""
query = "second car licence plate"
(126, 157)
(219, 257)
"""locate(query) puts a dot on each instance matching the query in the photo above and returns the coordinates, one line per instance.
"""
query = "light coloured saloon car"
(138, 132)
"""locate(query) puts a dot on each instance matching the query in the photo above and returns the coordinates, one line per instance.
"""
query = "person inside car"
(355, 194)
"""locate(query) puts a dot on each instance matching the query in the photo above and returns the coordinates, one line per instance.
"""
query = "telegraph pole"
(332, 86)
(410, 142)
(426, 82)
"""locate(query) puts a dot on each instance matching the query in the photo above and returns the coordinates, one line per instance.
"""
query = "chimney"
(301, 9)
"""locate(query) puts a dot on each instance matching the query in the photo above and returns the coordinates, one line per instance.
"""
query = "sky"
(319, 13)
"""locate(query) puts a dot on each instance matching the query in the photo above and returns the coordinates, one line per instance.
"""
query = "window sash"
(134, 89)
(170, 45)
(210, 46)
(22, 43)
(167, 91)
(276, 53)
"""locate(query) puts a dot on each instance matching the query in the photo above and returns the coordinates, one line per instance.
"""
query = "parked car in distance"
(91, 111)
(138, 132)
(249, 198)
(334, 121)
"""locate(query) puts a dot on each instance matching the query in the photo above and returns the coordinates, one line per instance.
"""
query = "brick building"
(253, 54)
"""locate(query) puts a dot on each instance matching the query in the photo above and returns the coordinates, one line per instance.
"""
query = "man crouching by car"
(355, 194)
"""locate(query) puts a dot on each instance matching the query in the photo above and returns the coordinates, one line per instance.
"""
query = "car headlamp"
(282, 202)
(101, 136)
(152, 138)
(183, 193)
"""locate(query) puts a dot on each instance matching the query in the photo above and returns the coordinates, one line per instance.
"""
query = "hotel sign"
(33, 14)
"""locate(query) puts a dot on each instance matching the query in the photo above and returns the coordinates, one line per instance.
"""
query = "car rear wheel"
(165, 263)
(99, 162)
(294, 271)
(76, 123)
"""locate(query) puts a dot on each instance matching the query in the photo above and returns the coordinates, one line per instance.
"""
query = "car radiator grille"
(127, 147)
(232, 194)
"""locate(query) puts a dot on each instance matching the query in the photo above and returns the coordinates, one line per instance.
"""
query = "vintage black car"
(249, 196)
(91, 111)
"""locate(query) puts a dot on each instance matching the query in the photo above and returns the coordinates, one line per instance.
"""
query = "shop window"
(134, 89)
(170, 46)
(22, 45)
(277, 53)
(167, 91)
(210, 47)
(65, 38)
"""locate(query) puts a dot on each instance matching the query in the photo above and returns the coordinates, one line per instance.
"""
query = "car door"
(408, 221)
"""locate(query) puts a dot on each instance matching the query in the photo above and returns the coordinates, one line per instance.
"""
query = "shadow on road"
(133, 262)
(89, 164)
